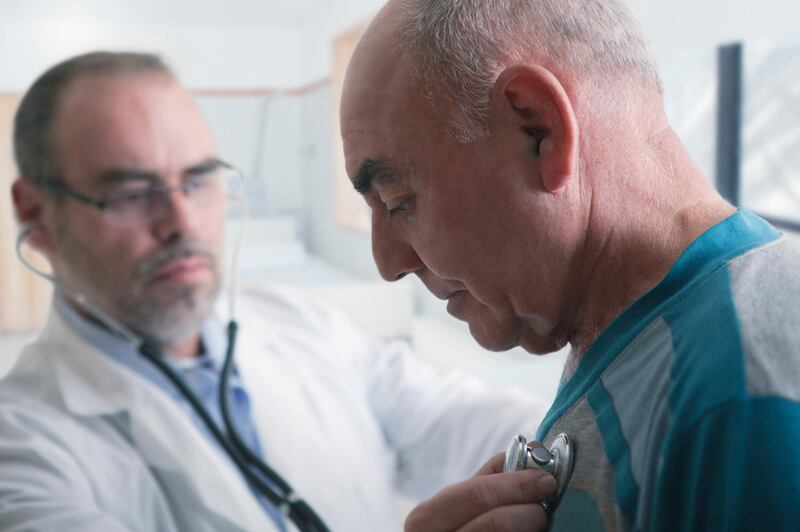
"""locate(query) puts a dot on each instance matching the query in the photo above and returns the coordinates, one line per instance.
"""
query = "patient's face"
(470, 220)
(125, 133)
(438, 209)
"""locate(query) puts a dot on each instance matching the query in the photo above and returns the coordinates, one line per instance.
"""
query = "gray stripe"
(766, 293)
(639, 384)
(592, 473)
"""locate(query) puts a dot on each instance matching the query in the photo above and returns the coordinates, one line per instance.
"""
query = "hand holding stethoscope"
(516, 490)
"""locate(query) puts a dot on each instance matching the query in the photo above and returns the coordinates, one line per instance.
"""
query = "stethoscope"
(280, 493)
(558, 460)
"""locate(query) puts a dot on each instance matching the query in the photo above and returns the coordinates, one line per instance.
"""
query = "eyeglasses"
(205, 187)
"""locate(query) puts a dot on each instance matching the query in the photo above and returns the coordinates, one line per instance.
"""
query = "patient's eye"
(399, 207)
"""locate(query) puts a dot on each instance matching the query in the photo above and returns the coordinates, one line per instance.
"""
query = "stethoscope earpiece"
(558, 460)
(27, 228)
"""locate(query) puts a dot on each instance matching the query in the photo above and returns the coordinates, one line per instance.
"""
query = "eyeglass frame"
(56, 187)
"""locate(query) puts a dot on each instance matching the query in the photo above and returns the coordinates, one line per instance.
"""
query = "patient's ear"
(29, 207)
(531, 100)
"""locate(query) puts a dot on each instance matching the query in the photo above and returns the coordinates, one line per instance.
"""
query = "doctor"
(121, 179)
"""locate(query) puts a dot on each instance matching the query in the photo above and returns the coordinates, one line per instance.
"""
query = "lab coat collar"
(91, 384)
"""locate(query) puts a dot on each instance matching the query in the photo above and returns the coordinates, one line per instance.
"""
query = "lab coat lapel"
(169, 440)
(290, 439)
(269, 394)
(91, 384)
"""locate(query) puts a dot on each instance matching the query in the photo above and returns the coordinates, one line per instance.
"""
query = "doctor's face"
(128, 133)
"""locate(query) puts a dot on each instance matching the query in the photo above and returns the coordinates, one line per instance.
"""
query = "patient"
(517, 158)
(125, 194)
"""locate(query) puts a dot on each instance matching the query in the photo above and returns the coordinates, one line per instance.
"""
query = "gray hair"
(460, 47)
(33, 148)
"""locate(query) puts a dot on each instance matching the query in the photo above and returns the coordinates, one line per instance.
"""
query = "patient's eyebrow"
(375, 172)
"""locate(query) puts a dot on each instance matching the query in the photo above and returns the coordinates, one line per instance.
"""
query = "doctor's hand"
(491, 500)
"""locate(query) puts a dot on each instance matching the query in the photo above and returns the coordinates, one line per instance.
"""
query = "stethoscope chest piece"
(557, 460)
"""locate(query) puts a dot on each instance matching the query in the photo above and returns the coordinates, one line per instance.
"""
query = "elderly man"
(122, 189)
(518, 160)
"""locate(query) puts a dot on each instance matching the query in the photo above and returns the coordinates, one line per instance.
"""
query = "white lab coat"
(86, 444)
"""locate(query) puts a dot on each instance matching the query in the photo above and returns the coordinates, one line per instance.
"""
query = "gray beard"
(165, 318)
(166, 323)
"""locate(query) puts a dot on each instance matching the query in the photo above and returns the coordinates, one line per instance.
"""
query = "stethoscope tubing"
(296, 509)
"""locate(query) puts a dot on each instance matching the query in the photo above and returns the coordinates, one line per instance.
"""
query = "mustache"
(179, 250)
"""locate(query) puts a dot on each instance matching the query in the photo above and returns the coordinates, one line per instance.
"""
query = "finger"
(494, 465)
(517, 518)
(459, 504)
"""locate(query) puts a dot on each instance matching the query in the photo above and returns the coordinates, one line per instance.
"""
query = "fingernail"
(548, 484)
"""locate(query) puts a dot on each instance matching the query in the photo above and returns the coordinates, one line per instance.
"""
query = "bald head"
(457, 49)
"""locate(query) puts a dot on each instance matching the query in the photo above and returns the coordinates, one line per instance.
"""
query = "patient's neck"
(639, 227)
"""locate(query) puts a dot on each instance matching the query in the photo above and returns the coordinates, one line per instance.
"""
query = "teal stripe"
(730, 238)
(709, 367)
(739, 470)
(616, 448)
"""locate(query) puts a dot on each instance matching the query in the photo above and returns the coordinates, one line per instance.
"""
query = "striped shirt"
(685, 412)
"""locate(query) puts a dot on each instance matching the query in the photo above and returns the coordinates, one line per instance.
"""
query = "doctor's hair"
(460, 47)
(33, 123)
